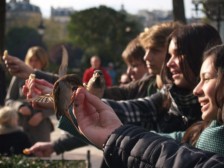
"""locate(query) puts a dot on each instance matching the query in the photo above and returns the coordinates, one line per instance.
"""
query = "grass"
(19, 161)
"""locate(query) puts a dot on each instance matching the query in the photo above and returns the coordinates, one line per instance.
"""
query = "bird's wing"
(43, 99)
(64, 62)
(62, 98)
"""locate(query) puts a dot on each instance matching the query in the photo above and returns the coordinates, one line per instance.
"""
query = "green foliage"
(102, 31)
(20, 39)
(19, 161)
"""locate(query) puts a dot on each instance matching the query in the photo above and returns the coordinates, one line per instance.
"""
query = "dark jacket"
(131, 146)
(140, 88)
(13, 142)
(50, 77)
(67, 142)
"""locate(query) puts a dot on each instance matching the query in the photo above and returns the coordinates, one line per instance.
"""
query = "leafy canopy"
(102, 31)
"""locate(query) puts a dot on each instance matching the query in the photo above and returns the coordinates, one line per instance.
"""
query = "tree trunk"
(2, 25)
(179, 11)
(2, 34)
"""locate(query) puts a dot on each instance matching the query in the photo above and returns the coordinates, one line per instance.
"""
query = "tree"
(2, 35)
(102, 31)
(2, 25)
(179, 11)
(20, 39)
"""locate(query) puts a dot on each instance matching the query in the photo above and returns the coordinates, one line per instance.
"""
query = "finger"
(33, 89)
(25, 90)
(92, 99)
(81, 105)
(10, 61)
(12, 68)
(44, 83)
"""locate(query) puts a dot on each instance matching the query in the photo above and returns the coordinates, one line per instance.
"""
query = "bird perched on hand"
(64, 87)
(61, 96)
(96, 84)
(63, 91)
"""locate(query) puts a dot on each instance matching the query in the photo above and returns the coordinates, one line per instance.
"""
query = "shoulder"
(89, 70)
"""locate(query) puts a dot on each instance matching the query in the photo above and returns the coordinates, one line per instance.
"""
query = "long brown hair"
(192, 40)
(217, 53)
(38, 52)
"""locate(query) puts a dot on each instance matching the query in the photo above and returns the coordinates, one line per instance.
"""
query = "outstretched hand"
(96, 120)
(17, 67)
(36, 87)
(42, 149)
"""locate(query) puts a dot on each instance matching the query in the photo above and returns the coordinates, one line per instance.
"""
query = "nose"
(129, 70)
(170, 62)
(147, 56)
(198, 89)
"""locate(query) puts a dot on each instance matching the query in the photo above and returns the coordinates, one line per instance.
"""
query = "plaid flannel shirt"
(147, 111)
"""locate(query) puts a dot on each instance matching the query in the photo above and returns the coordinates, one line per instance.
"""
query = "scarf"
(212, 138)
(184, 104)
(183, 98)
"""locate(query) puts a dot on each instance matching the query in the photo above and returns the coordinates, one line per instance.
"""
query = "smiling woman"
(205, 90)
(175, 104)
(153, 149)
(131, 146)
(208, 135)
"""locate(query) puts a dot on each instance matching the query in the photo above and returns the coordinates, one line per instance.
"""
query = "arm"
(131, 146)
(13, 97)
(143, 111)
(177, 135)
(66, 143)
(18, 68)
(50, 77)
(132, 90)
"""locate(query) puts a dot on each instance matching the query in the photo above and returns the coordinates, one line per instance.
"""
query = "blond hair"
(38, 52)
(7, 114)
(156, 35)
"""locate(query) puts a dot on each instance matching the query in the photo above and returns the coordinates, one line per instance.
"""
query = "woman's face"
(154, 59)
(205, 90)
(174, 67)
(136, 69)
(35, 63)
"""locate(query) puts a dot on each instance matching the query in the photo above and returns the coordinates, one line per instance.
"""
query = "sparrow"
(62, 93)
(63, 89)
(96, 85)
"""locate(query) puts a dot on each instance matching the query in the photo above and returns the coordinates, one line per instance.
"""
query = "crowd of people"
(169, 112)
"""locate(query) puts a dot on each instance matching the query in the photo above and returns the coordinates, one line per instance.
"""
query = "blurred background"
(90, 27)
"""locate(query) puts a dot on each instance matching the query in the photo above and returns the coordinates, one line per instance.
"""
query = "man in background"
(95, 62)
